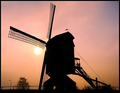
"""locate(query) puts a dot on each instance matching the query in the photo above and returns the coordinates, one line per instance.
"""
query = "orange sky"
(94, 24)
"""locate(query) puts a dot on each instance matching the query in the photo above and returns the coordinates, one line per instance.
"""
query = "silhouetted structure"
(60, 61)
(59, 58)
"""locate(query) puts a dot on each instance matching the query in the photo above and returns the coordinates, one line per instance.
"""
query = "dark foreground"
(77, 91)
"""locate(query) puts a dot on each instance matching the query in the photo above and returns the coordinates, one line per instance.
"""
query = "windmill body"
(60, 55)
(60, 62)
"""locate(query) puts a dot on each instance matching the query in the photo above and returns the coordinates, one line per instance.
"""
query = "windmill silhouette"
(59, 57)
(58, 50)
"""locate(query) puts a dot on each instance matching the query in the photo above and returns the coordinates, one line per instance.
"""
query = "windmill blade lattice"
(52, 11)
(22, 36)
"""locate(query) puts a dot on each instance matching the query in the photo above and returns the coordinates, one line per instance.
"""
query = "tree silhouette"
(22, 83)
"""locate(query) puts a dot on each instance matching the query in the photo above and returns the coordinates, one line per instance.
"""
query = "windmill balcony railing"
(77, 62)
(77, 65)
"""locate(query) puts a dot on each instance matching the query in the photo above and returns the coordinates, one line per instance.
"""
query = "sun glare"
(37, 50)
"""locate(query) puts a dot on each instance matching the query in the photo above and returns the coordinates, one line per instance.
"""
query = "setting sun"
(37, 50)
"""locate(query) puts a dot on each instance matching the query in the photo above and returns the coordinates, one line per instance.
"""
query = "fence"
(15, 87)
(36, 87)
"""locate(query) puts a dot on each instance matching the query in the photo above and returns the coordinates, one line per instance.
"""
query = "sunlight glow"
(37, 50)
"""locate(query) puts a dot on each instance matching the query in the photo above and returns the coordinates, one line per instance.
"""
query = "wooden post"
(96, 83)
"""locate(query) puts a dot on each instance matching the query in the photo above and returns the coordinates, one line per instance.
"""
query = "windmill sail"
(22, 36)
(52, 11)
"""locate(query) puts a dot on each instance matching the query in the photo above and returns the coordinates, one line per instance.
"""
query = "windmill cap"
(64, 37)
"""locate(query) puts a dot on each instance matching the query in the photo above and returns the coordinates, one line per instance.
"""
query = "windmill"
(53, 47)
(59, 57)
